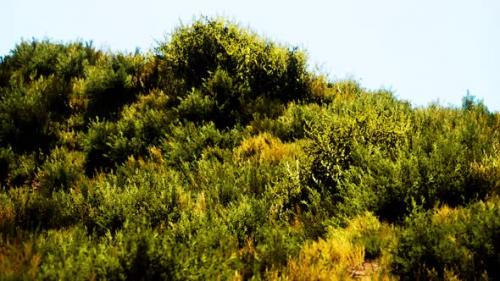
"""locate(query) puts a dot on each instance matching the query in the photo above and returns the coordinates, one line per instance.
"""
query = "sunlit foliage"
(220, 155)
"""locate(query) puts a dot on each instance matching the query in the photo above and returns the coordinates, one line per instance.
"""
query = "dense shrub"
(141, 125)
(221, 156)
(31, 60)
(265, 148)
(6, 162)
(234, 68)
(32, 211)
(342, 253)
(188, 142)
(21, 169)
(61, 171)
(462, 243)
(97, 145)
(25, 119)
(384, 158)
(111, 84)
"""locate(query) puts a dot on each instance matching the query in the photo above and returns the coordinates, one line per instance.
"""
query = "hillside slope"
(218, 155)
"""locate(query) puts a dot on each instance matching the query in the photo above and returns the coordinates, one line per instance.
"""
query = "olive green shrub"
(220, 155)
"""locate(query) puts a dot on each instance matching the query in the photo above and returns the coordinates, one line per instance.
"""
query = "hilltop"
(219, 155)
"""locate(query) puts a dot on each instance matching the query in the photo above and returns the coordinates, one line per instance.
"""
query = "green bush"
(196, 107)
(386, 157)
(141, 125)
(32, 59)
(109, 85)
(22, 170)
(96, 146)
(463, 242)
(25, 122)
(186, 143)
(35, 211)
(233, 67)
(61, 171)
(219, 155)
(7, 159)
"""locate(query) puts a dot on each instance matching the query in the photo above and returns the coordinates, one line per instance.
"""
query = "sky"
(424, 51)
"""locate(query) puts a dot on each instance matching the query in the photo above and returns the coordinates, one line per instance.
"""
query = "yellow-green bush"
(462, 242)
(266, 148)
(61, 171)
(220, 155)
(342, 254)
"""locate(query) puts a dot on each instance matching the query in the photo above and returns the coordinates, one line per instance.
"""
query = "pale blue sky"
(422, 50)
